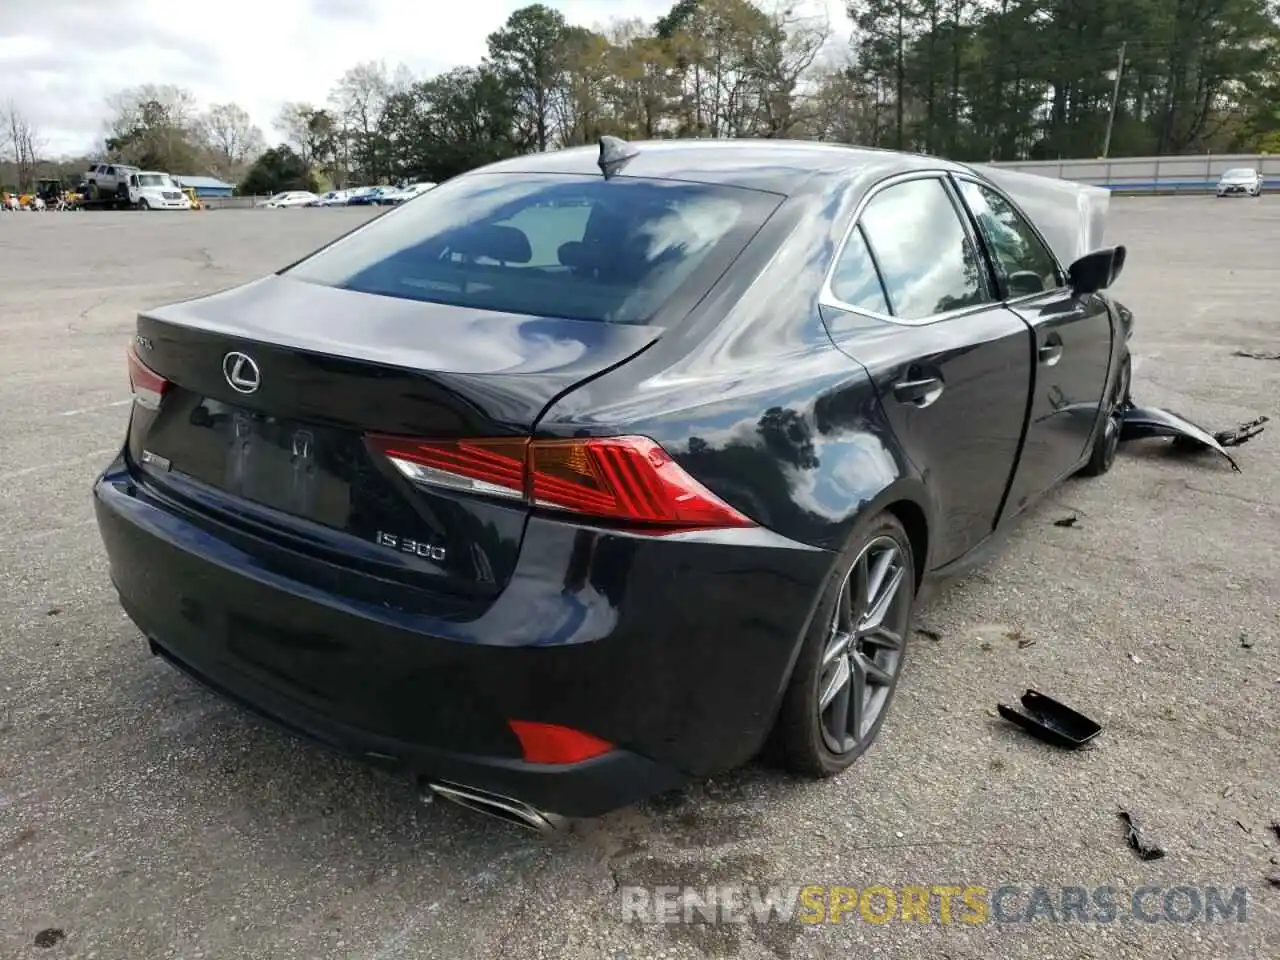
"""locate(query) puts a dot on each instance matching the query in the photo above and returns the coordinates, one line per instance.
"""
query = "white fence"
(1196, 174)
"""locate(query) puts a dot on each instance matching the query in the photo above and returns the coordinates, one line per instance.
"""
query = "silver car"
(1240, 181)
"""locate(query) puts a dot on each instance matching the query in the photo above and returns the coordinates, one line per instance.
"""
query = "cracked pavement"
(141, 817)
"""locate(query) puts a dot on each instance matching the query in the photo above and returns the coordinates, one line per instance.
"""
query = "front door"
(1072, 343)
(912, 301)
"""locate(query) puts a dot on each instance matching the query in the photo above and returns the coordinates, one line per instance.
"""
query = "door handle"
(921, 392)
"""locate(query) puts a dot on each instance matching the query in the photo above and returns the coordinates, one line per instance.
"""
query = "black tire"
(1107, 442)
(799, 740)
(144, 204)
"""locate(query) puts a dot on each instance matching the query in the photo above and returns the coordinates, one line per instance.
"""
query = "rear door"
(911, 299)
(1073, 336)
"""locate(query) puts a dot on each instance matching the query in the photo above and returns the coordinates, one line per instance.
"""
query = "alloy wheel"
(864, 648)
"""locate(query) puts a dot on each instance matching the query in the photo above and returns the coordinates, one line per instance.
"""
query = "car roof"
(778, 166)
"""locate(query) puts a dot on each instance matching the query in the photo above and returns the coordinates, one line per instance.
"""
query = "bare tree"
(22, 141)
(150, 105)
(360, 102)
(783, 58)
(305, 127)
(154, 125)
(230, 137)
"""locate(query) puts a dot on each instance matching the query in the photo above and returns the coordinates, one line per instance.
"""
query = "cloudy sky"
(60, 59)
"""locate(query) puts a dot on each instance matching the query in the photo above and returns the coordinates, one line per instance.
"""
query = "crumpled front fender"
(1140, 423)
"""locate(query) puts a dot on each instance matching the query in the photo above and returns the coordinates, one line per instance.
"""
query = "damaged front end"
(1142, 423)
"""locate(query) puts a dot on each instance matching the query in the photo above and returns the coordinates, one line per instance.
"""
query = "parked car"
(559, 488)
(412, 190)
(334, 198)
(367, 196)
(391, 196)
(1240, 181)
(289, 198)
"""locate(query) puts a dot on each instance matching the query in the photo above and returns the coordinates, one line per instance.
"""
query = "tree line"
(976, 80)
(968, 79)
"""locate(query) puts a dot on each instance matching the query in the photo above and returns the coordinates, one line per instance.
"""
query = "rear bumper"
(678, 654)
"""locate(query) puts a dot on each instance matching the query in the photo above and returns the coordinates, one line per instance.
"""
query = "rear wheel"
(845, 678)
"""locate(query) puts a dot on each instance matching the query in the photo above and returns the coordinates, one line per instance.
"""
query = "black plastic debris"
(49, 937)
(933, 635)
(1141, 423)
(1134, 836)
(1066, 521)
(1241, 434)
(1275, 828)
(1053, 722)
(1257, 354)
(1273, 878)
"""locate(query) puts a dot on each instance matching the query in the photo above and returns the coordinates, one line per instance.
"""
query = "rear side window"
(855, 280)
(581, 248)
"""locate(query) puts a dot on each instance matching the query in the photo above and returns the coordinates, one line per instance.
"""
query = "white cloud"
(62, 58)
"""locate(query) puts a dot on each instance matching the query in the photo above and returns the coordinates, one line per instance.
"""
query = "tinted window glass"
(583, 248)
(1022, 260)
(928, 264)
(855, 279)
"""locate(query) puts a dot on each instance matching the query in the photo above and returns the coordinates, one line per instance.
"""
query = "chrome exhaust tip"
(496, 805)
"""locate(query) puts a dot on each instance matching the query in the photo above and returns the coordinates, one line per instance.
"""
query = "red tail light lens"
(630, 479)
(549, 743)
(148, 386)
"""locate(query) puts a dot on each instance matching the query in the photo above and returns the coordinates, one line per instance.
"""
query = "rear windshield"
(582, 248)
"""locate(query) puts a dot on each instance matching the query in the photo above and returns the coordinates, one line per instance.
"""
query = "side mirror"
(1096, 271)
(1024, 283)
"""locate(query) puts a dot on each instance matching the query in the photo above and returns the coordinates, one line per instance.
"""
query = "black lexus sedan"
(591, 472)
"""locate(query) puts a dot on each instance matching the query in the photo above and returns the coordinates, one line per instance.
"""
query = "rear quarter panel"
(752, 398)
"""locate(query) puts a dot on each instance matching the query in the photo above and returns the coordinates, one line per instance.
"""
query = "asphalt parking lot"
(141, 817)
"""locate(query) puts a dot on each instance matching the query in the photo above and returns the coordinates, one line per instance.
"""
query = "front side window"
(926, 258)
(577, 247)
(1022, 260)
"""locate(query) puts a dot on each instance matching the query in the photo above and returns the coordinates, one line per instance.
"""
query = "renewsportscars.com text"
(939, 903)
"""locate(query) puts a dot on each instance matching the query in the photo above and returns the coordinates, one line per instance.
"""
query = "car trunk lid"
(272, 388)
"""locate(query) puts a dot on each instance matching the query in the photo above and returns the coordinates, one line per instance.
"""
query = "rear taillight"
(147, 385)
(630, 479)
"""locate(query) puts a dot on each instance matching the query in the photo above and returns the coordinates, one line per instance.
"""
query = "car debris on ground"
(1140, 423)
(1053, 722)
(1258, 354)
(1137, 840)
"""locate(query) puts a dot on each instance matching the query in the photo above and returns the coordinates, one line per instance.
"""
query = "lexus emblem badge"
(242, 373)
